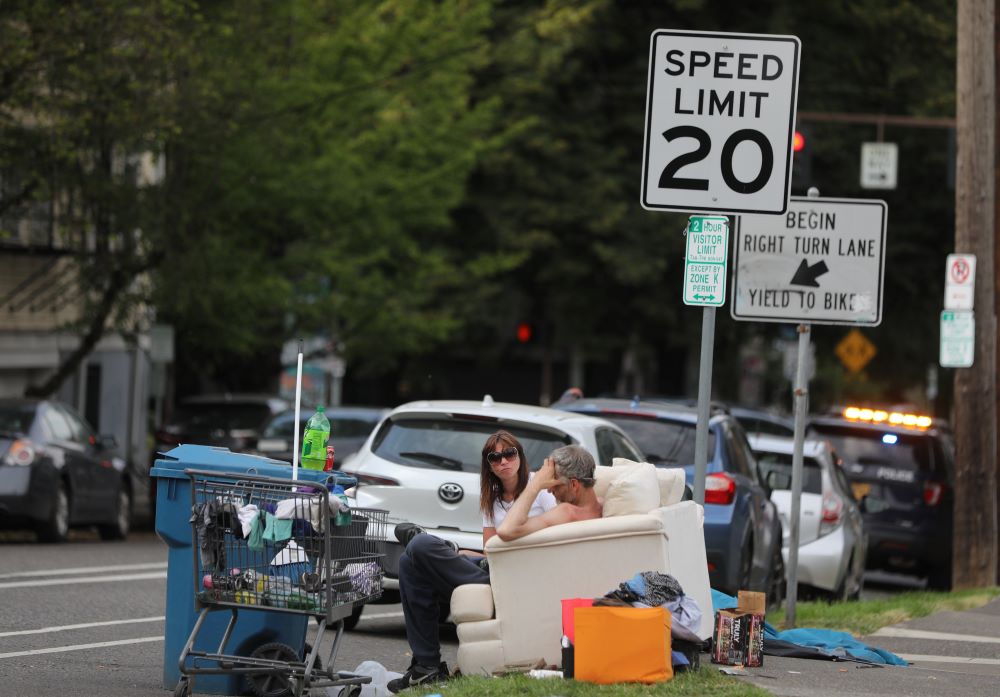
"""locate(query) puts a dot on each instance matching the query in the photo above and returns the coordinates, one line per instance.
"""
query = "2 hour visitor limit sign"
(720, 118)
(707, 253)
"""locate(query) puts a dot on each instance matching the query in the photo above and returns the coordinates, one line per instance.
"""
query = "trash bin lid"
(205, 457)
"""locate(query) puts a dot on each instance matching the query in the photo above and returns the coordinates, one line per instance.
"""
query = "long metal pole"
(298, 406)
(704, 397)
(801, 409)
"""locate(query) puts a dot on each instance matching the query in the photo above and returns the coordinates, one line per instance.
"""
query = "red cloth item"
(568, 606)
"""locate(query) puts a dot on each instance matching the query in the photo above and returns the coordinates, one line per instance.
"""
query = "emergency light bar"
(893, 418)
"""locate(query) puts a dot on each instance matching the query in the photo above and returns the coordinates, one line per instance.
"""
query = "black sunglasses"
(495, 456)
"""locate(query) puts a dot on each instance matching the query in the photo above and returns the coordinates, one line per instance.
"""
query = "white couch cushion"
(671, 480)
(471, 603)
(635, 491)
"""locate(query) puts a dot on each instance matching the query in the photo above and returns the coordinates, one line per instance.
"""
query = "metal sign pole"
(801, 404)
(801, 409)
(298, 403)
(704, 397)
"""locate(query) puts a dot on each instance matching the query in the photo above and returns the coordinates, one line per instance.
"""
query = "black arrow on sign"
(806, 275)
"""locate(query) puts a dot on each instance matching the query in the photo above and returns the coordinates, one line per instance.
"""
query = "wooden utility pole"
(996, 216)
(975, 514)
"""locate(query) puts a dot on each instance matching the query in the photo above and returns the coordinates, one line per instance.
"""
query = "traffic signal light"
(802, 157)
(525, 332)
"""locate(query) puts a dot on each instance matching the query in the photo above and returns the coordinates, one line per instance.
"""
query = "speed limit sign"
(720, 118)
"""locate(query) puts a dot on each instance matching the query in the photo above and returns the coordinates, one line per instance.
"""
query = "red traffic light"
(798, 142)
(524, 332)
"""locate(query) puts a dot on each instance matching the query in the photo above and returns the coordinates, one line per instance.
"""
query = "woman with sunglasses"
(430, 568)
(503, 476)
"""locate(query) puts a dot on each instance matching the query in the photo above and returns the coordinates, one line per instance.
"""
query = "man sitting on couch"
(430, 569)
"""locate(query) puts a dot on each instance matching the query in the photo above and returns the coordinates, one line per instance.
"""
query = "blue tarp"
(830, 644)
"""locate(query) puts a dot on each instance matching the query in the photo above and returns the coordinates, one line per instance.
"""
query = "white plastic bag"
(376, 688)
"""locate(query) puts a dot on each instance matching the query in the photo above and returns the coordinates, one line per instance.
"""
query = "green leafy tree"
(327, 143)
(84, 105)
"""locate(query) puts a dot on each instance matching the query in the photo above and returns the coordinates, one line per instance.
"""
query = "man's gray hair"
(574, 462)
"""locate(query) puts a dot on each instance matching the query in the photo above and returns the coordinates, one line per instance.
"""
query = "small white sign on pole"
(878, 165)
(960, 282)
(705, 261)
(958, 338)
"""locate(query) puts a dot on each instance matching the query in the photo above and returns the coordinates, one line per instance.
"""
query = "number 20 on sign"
(720, 118)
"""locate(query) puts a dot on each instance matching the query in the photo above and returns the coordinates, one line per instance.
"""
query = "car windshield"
(227, 415)
(864, 446)
(754, 425)
(16, 418)
(666, 443)
(812, 475)
(455, 444)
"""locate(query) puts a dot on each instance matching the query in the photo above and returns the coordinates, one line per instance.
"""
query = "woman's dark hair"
(490, 486)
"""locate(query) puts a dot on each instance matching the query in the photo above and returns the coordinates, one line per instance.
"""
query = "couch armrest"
(471, 603)
(580, 531)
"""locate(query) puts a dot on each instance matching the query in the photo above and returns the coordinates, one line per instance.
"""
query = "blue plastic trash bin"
(173, 526)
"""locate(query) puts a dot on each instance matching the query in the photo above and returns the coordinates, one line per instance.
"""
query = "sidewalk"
(953, 653)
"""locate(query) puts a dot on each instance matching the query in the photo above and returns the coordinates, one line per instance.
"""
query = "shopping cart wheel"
(183, 688)
(273, 684)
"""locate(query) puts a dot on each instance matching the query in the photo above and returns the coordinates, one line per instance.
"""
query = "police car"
(902, 465)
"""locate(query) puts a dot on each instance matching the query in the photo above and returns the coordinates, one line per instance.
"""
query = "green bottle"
(314, 441)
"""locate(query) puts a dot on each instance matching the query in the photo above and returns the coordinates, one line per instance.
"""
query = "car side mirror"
(778, 480)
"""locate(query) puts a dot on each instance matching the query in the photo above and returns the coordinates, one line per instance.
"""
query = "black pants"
(429, 571)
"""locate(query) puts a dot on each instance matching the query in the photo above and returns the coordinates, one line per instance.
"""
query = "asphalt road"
(85, 618)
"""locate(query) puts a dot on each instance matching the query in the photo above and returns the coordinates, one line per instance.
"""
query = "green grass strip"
(863, 617)
(708, 680)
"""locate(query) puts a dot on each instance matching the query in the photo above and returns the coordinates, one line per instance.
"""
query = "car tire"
(352, 620)
(746, 567)
(939, 578)
(55, 528)
(119, 529)
(777, 584)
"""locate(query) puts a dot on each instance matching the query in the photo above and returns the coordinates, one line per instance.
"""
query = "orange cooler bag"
(622, 644)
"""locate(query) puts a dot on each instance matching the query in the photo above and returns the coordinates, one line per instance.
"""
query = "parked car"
(832, 540)
(742, 528)
(349, 429)
(231, 421)
(422, 462)
(903, 465)
(57, 474)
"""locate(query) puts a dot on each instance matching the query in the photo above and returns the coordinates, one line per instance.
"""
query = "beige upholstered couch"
(646, 527)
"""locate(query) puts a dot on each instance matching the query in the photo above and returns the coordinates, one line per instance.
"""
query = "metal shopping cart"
(285, 547)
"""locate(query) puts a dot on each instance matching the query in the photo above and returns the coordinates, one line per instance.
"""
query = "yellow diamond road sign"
(854, 351)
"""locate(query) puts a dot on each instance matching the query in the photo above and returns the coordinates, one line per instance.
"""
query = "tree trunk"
(975, 511)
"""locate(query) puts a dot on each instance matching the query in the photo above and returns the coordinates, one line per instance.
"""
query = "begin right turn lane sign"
(822, 262)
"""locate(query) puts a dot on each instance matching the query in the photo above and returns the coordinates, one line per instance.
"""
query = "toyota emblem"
(450, 492)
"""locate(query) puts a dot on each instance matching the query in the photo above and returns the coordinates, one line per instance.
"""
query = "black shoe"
(407, 531)
(418, 675)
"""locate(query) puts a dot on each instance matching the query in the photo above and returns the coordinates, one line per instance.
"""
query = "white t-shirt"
(543, 502)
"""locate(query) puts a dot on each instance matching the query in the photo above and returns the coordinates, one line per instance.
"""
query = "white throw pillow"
(670, 480)
(635, 491)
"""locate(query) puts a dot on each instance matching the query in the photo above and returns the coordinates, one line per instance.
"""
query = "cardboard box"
(738, 636)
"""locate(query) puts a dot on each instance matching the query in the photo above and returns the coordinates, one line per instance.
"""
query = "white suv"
(422, 462)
